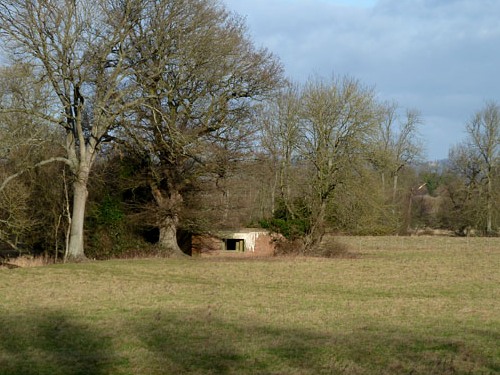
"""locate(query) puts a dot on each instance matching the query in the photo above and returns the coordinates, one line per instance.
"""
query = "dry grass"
(419, 243)
(25, 261)
(404, 306)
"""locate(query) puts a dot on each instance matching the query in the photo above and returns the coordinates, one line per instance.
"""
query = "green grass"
(404, 305)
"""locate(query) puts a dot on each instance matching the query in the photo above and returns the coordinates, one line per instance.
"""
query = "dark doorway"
(234, 244)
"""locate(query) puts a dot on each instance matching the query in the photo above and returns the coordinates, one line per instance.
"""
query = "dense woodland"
(127, 125)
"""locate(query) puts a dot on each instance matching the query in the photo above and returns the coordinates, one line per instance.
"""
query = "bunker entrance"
(234, 244)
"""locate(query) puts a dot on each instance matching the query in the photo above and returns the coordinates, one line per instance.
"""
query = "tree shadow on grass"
(200, 343)
(51, 342)
(206, 342)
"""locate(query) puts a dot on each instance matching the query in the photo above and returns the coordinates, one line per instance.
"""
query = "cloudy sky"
(441, 57)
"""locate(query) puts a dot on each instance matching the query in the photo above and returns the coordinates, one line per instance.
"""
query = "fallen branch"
(8, 265)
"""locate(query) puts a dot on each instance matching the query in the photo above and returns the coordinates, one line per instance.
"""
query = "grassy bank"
(403, 305)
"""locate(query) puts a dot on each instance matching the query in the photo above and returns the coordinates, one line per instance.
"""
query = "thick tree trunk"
(317, 230)
(168, 236)
(168, 220)
(75, 251)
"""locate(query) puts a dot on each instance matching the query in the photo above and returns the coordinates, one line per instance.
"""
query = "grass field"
(403, 305)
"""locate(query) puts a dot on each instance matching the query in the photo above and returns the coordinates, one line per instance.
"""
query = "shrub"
(291, 229)
(291, 226)
(328, 248)
(285, 247)
(331, 248)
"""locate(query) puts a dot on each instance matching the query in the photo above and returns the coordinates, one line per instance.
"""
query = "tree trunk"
(75, 250)
(168, 221)
(383, 185)
(394, 189)
(489, 206)
(317, 230)
(168, 236)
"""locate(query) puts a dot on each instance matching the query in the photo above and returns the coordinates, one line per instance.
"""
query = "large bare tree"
(75, 49)
(483, 132)
(338, 118)
(197, 76)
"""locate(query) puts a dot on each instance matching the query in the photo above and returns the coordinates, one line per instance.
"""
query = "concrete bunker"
(246, 241)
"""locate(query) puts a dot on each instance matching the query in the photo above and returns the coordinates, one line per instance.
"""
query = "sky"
(440, 57)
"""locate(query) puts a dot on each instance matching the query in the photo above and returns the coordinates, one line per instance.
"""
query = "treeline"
(127, 125)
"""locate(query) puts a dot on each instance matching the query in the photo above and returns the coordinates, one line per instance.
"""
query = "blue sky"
(441, 57)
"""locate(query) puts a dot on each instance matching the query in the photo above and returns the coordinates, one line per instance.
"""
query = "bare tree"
(463, 184)
(337, 120)
(396, 144)
(75, 48)
(23, 142)
(483, 132)
(197, 76)
(280, 121)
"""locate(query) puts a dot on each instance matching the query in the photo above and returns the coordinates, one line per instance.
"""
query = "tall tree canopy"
(197, 77)
(182, 70)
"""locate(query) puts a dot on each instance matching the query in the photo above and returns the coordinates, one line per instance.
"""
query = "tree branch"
(39, 164)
